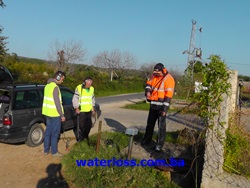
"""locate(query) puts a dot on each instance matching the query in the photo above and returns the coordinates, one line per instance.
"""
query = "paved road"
(120, 98)
(116, 118)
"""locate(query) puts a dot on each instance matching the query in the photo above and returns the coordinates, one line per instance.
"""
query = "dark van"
(21, 118)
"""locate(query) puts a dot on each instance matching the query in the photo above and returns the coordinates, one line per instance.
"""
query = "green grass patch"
(172, 136)
(112, 176)
(237, 151)
(142, 105)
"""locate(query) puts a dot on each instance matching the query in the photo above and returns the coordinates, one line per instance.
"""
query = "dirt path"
(26, 167)
(23, 166)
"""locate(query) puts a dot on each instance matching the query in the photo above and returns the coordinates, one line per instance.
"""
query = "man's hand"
(163, 113)
(148, 94)
(77, 110)
(63, 119)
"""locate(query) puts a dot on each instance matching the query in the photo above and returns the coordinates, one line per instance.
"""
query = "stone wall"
(213, 175)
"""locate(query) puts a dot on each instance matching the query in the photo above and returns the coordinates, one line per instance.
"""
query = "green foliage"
(104, 88)
(172, 136)
(3, 43)
(31, 60)
(215, 79)
(237, 151)
(28, 72)
(198, 77)
(38, 71)
(112, 176)
(198, 67)
(244, 78)
(195, 67)
(182, 89)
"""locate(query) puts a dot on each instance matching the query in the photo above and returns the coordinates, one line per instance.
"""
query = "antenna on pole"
(193, 52)
(192, 44)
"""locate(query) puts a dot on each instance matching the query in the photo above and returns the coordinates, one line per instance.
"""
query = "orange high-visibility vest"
(160, 87)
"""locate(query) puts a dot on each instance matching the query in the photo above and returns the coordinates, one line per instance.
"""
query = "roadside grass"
(237, 150)
(237, 145)
(114, 175)
(143, 105)
(171, 137)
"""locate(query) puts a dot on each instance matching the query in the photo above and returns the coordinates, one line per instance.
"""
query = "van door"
(25, 110)
(69, 111)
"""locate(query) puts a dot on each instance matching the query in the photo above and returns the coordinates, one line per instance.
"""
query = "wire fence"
(225, 157)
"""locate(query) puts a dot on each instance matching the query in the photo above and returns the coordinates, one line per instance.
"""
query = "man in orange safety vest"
(159, 92)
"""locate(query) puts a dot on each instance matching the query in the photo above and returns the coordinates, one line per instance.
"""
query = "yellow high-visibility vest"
(85, 98)
(49, 106)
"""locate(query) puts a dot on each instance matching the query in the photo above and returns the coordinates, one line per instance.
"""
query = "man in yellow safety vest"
(53, 110)
(84, 102)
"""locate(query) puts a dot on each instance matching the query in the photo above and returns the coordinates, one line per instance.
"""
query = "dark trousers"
(153, 116)
(85, 124)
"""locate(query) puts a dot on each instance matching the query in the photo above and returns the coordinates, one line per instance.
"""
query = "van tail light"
(7, 120)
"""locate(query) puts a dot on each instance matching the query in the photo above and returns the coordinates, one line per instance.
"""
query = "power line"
(238, 64)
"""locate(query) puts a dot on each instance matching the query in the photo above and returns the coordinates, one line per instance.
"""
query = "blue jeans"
(52, 132)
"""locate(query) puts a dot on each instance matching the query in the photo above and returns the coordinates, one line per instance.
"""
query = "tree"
(66, 54)
(3, 49)
(147, 69)
(115, 61)
(244, 78)
(2, 4)
(176, 73)
(198, 67)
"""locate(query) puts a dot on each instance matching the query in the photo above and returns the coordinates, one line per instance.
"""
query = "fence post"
(99, 136)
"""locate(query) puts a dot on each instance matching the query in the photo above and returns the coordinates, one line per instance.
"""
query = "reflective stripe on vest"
(49, 106)
(160, 103)
(85, 98)
(161, 90)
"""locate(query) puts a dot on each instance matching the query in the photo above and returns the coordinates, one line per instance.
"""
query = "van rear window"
(26, 100)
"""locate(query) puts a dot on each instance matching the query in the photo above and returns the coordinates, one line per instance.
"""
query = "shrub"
(111, 176)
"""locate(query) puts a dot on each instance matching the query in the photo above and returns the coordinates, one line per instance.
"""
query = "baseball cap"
(158, 68)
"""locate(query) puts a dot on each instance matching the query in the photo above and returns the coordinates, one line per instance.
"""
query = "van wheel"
(35, 136)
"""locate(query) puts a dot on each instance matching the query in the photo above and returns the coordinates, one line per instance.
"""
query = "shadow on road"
(115, 125)
(54, 179)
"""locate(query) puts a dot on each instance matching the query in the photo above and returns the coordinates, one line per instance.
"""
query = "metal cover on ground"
(131, 131)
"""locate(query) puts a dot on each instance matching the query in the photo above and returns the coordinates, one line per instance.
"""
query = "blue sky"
(152, 30)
